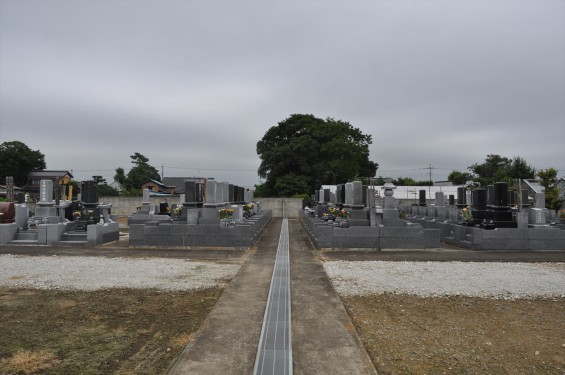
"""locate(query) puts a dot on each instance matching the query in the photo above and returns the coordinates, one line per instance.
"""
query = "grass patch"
(117, 331)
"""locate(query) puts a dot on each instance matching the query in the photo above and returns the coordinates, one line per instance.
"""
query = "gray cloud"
(194, 85)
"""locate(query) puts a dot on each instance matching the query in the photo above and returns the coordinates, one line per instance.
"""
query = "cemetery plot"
(460, 335)
(102, 332)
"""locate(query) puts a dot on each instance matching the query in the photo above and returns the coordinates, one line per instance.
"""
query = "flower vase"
(344, 224)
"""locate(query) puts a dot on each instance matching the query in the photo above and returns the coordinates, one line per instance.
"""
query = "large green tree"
(303, 152)
(17, 159)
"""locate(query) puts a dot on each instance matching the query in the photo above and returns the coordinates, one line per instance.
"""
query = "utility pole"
(431, 182)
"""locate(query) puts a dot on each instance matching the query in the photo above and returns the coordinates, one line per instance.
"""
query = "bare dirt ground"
(126, 331)
(460, 335)
(115, 331)
(473, 317)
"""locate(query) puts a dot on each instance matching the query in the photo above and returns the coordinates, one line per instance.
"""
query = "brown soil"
(103, 332)
(460, 335)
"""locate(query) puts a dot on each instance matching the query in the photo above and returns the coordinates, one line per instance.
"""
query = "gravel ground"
(432, 279)
(93, 273)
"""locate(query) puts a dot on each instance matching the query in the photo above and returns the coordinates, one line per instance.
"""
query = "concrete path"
(226, 343)
(323, 338)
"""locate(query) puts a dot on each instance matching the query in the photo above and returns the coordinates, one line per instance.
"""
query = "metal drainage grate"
(274, 355)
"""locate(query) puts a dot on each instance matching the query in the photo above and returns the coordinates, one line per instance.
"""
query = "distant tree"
(304, 152)
(261, 191)
(291, 184)
(380, 180)
(519, 168)
(120, 176)
(17, 159)
(424, 183)
(140, 173)
(405, 181)
(489, 171)
(99, 179)
(497, 168)
(548, 179)
(459, 178)
(76, 189)
(105, 190)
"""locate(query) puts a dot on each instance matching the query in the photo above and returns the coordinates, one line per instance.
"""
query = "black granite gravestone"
(500, 194)
(89, 192)
(490, 195)
(461, 197)
(232, 194)
(422, 198)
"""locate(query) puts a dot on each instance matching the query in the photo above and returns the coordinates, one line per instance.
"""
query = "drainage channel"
(274, 354)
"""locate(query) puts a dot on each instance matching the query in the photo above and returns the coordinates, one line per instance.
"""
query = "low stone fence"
(327, 236)
(541, 238)
(240, 236)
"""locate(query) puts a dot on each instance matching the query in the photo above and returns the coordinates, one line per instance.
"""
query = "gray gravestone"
(540, 200)
(46, 192)
(146, 196)
(211, 193)
(537, 216)
(9, 188)
(349, 194)
(357, 191)
(226, 192)
(439, 199)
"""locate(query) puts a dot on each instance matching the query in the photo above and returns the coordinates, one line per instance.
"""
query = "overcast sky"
(193, 85)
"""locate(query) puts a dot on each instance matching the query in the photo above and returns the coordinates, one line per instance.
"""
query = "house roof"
(178, 182)
(158, 183)
(48, 173)
(3, 189)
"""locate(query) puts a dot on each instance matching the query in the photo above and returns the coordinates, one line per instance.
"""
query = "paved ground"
(324, 340)
(227, 341)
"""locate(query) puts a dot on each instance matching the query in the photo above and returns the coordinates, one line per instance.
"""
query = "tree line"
(18, 160)
(298, 155)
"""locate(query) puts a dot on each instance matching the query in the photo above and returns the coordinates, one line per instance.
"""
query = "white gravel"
(430, 279)
(93, 273)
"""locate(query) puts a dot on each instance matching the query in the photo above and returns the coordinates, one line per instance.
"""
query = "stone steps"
(73, 238)
(23, 242)
(28, 237)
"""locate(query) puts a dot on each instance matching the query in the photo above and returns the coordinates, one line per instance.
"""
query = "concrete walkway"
(323, 338)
